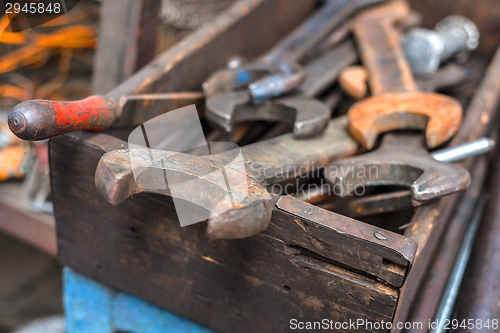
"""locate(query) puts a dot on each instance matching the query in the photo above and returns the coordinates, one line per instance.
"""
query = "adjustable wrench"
(397, 104)
(282, 61)
(308, 115)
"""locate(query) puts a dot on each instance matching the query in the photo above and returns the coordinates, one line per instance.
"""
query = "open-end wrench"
(42, 119)
(396, 200)
(402, 158)
(282, 61)
(308, 115)
(267, 162)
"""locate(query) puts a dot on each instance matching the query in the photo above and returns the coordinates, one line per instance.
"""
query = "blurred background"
(53, 61)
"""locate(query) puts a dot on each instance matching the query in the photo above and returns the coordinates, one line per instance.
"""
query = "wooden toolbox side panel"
(255, 284)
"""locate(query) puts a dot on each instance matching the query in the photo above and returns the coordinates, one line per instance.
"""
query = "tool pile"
(346, 106)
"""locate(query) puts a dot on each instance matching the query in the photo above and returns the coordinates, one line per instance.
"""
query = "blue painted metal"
(92, 307)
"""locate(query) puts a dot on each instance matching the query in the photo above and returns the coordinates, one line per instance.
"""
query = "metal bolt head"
(425, 49)
(457, 22)
(236, 62)
(422, 48)
(308, 211)
(380, 235)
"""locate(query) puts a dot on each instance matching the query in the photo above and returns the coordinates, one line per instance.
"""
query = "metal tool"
(282, 61)
(402, 158)
(354, 80)
(397, 200)
(448, 299)
(267, 162)
(308, 115)
(426, 49)
(42, 119)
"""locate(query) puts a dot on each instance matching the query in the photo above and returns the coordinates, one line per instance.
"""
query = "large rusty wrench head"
(396, 103)
(402, 158)
(238, 206)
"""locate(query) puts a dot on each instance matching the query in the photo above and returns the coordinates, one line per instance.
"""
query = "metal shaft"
(461, 152)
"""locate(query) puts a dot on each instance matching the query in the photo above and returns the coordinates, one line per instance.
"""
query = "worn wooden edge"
(379, 241)
(211, 45)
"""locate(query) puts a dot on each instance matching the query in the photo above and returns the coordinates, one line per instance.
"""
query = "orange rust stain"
(211, 260)
(485, 118)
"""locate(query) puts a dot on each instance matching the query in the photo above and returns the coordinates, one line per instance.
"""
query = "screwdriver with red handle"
(40, 119)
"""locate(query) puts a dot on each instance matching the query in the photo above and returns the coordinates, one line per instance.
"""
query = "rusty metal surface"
(402, 158)
(378, 42)
(208, 189)
(374, 204)
(308, 115)
(289, 51)
(439, 115)
(396, 103)
(397, 248)
(267, 162)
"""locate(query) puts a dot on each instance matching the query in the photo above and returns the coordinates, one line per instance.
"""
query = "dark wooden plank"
(344, 240)
(254, 284)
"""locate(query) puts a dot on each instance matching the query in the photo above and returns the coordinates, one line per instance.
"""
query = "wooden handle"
(40, 119)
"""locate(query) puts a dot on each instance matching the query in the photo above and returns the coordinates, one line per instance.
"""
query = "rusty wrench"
(396, 104)
(308, 115)
(267, 162)
(281, 62)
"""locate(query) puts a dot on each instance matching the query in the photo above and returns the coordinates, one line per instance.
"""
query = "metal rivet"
(380, 235)
(308, 211)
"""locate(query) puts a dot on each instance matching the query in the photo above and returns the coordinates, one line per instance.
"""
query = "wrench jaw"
(113, 178)
(309, 116)
(438, 180)
(247, 219)
(225, 195)
(412, 167)
(439, 115)
(221, 108)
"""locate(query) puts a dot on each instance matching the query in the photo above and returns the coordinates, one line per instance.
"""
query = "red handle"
(40, 119)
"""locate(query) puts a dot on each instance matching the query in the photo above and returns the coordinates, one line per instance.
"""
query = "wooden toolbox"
(309, 265)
